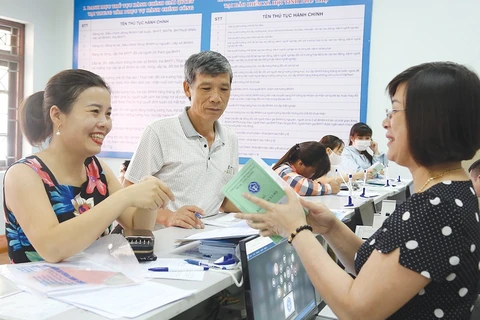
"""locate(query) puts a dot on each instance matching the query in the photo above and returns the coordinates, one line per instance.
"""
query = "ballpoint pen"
(198, 215)
(178, 269)
(202, 264)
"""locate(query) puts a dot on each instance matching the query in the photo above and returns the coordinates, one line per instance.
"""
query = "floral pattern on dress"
(15, 235)
(67, 203)
(94, 179)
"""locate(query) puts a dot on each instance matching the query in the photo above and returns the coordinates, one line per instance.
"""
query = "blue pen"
(198, 215)
(177, 269)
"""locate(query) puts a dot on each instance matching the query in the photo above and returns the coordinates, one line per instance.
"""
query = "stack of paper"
(173, 264)
(222, 220)
(64, 278)
(130, 302)
(240, 229)
(215, 249)
(24, 305)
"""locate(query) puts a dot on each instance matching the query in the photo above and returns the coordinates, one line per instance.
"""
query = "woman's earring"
(58, 131)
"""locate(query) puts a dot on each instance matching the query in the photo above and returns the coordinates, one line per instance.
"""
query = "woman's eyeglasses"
(390, 112)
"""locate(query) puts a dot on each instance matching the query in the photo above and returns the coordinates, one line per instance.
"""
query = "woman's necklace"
(438, 176)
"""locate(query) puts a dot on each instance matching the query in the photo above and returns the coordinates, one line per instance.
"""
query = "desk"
(213, 282)
(338, 201)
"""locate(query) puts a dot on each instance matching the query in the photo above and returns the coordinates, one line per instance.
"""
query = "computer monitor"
(276, 284)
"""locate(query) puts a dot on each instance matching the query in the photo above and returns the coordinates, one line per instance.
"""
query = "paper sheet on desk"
(327, 313)
(343, 193)
(26, 306)
(62, 278)
(240, 229)
(130, 302)
(171, 263)
(226, 220)
(340, 214)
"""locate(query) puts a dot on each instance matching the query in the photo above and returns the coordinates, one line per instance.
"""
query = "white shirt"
(173, 151)
(353, 161)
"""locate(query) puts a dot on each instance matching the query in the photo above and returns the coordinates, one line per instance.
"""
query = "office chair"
(363, 216)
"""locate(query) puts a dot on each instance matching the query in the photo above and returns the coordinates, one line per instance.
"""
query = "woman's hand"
(360, 175)
(150, 193)
(319, 217)
(374, 147)
(281, 219)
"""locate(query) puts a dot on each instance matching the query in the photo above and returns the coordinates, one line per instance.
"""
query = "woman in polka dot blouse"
(423, 263)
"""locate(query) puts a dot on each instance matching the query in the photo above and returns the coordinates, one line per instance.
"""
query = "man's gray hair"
(206, 62)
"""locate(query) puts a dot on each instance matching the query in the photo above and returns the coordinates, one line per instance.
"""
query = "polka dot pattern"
(439, 313)
(446, 231)
(462, 292)
(459, 202)
(451, 277)
(412, 244)
(454, 260)
(437, 232)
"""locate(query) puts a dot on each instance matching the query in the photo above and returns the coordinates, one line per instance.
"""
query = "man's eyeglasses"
(390, 112)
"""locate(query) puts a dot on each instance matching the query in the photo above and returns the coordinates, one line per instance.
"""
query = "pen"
(178, 269)
(199, 263)
(198, 215)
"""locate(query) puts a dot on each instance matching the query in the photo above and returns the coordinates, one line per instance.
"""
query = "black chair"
(363, 216)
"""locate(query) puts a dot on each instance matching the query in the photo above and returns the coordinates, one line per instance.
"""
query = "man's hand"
(185, 217)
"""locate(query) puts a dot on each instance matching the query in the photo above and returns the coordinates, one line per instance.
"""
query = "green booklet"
(258, 179)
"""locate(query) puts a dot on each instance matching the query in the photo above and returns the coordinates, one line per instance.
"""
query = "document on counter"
(26, 306)
(61, 278)
(171, 263)
(240, 229)
(130, 301)
(225, 220)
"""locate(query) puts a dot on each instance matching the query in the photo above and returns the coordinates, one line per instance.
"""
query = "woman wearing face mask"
(358, 155)
(304, 163)
(334, 147)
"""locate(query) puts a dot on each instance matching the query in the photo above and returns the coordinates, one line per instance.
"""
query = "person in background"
(423, 262)
(58, 201)
(474, 171)
(334, 147)
(192, 152)
(123, 169)
(304, 163)
(362, 151)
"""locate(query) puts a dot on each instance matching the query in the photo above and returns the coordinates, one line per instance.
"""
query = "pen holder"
(363, 195)
(387, 184)
(350, 202)
(398, 180)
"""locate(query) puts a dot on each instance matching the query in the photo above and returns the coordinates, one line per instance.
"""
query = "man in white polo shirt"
(192, 153)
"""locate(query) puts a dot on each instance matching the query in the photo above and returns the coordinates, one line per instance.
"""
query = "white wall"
(409, 32)
(404, 33)
(49, 42)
